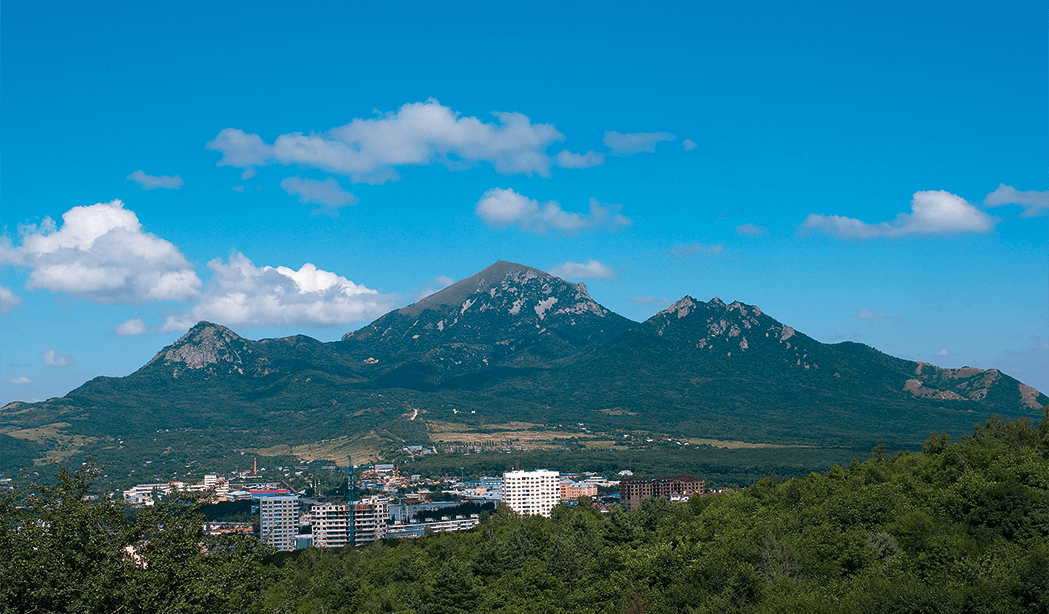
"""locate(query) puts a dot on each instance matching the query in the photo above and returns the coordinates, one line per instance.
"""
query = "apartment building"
(369, 519)
(279, 520)
(531, 492)
(633, 491)
(331, 525)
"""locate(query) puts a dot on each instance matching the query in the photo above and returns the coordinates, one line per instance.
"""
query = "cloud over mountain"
(420, 133)
(501, 208)
(590, 269)
(242, 294)
(933, 212)
(100, 253)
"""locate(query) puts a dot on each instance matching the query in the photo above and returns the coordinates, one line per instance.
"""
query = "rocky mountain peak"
(204, 345)
(487, 318)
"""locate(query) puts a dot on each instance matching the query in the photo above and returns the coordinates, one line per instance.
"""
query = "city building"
(531, 492)
(279, 520)
(331, 525)
(634, 490)
(369, 520)
(573, 490)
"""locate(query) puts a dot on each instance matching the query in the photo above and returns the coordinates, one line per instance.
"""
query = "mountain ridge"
(513, 344)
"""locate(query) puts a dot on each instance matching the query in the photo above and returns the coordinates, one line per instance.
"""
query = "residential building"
(369, 519)
(279, 520)
(331, 525)
(573, 490)
(634, 490)
(531, 492)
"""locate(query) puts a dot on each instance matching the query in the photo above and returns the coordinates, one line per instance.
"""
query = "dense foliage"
(960, 527)
(61, 550)
(955, 528)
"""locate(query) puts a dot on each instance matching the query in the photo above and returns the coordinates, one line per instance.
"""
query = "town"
(378, 502)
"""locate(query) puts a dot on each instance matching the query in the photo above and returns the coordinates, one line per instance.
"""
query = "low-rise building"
(573, 490)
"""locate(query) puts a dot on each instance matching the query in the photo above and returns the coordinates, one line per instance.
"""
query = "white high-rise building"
(279, 521)
(531, 492)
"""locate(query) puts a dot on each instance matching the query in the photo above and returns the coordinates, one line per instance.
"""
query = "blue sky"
(877, 174)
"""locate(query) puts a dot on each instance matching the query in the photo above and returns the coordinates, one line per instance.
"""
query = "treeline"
(954, 528)
(960, 527)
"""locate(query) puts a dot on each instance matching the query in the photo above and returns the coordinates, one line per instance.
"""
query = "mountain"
(508, 315)
(510, 345)
(732, 369)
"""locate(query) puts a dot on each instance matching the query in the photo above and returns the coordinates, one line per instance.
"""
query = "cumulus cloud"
(650, 300)
(635, 142)
(149, 182)
(20, 381)
(241, 294)
(688, 144)
(328, 192)
(101, 253)
(695, 249)
(943, 352)
(501, 208)
(933, 212)
(577, 270)
(52, 358)
(567, 159)
(8, 300)
(1034, 203)
(134, 326)
(751, 230)
(420, 133)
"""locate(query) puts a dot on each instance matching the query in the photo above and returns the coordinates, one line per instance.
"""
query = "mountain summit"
(508, 314)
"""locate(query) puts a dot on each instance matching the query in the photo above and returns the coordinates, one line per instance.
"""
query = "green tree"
(62, 550)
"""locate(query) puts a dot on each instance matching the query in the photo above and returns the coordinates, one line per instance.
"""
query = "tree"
(62, 550)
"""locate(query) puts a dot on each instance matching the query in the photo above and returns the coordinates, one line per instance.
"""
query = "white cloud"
(20, 381)
(370, 150)
(100, 253)
(241, 294)
(635, 142)
(695, 249)
(577, 270)
(134, 326)
(751, 230)
(943, 352)
(237, 188)
(502, 208)
(328, 192)
(933, 212)
(8, 300)
(52, 358)
(149, 182)
(688, 144)
(1034, 203)
(567, 159)
(650, 300)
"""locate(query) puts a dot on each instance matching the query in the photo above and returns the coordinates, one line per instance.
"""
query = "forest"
(958, 527)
